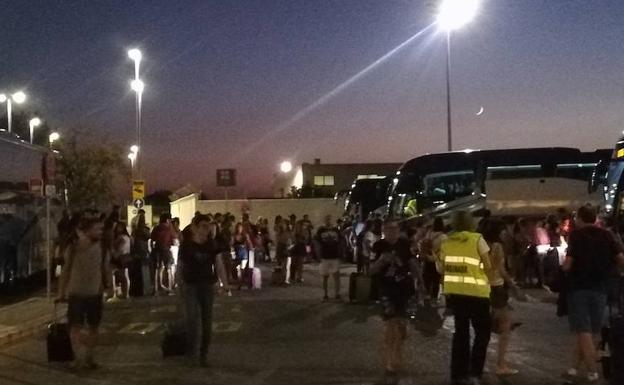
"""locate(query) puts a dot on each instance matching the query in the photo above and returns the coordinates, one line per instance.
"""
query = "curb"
(21, 334)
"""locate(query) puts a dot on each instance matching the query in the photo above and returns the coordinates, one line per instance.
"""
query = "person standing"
(328, 237)
(162, 237)
(82, 284)
(466, 258)
(592, 255)
(201, 265)
(140, 252)
(121, 260)
(397, 268)
(500, 282)
(432, 265)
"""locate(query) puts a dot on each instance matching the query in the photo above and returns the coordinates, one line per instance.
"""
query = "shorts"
(163, 257)
(329, 267)
(586, 310)
(499, 297)
(84, 309)
(393, 308)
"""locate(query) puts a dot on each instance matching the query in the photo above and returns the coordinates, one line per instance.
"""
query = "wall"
(317, 209)
(184, 208)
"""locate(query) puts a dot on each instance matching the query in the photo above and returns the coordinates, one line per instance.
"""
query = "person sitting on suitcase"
(328, 237)
(592, 255)
(199, 259)
(396, 268)
(82, 283)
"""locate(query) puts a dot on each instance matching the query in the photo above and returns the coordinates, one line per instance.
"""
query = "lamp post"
(34, 122)
(286, 167)
(137, 86)
(453, 14)
(18, 97)
(134, 151)
(53, 137)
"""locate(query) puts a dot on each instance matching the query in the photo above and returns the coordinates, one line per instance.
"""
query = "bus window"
(515, 172)
(447, 186)
(580, 171)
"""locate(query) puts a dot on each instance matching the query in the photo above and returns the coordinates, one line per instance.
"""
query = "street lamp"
(453, 14)
(18, 97)
(286, 167)
(134, 148)
(132, 157)
(137, 86)
(34, 122)
(53, 137)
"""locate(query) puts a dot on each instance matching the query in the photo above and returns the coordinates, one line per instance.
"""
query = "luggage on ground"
(58, 340)
(256, 278)
(278, 277)
(174, 340)
(360, 287)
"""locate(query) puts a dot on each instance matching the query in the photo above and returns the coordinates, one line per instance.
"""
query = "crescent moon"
(480, 111)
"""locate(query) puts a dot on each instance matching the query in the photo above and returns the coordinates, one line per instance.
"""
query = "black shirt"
(198, 261)
(396, 280)
(329, 238)
(593, 251)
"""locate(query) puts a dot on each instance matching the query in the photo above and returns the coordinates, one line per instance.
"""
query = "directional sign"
(138, 203)
(138, 189)
(226, 177)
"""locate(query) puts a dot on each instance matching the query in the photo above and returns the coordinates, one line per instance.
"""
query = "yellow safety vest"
(463, 269)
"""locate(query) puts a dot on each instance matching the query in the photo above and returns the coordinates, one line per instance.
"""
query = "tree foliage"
(91, 172)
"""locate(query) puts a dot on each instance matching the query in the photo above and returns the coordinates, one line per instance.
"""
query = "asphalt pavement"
(282, 335)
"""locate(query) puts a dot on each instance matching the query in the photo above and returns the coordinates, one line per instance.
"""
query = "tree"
(91, 172)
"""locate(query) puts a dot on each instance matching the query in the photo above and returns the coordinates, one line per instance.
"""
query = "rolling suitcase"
(58, 341)
(256, 278)
(359, 288)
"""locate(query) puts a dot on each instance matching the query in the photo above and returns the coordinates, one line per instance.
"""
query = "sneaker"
(506, 371)
(571, 374)
(593, 377)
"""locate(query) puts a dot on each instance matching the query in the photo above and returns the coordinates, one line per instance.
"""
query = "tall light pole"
(34, 122)
(137, 86)
(453, 14)
(18, 97)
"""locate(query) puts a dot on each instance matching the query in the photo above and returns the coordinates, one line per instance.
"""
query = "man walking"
(328, 237)
(397, 269)
(466, 257)
(592, 255)
(82, 283)
(200, 263)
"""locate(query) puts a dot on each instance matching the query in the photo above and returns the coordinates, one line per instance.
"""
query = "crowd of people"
(474, 270)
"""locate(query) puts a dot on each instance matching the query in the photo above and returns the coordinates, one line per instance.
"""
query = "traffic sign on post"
(138, 189)
(226, 177)
(138, 203)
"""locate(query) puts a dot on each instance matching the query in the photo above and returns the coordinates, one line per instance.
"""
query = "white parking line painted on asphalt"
(140, 328)
(226, 326)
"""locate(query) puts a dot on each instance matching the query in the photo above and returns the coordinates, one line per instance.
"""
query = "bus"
(609, 174)
(367, 195)
(520, 182)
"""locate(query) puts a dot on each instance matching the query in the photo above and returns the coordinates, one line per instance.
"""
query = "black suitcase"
(360, 288)
(58, 341)
(174, 340)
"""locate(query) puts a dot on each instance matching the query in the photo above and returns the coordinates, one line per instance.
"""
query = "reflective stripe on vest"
(463, 269)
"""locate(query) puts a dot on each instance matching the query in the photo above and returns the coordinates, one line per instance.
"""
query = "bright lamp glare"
(137, 86)
(19, 97)
(134, 148)
(35, 122)
(455, 14)
(3, 98)
(132, 156)
(54, 137)
(286, 166)
(135, 54)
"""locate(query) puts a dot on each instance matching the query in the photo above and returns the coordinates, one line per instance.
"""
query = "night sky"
(227, 81)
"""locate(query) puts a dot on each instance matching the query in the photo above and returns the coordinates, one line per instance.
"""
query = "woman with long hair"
(140, 252)
(500, 282)
(121, 259)
(241, 242)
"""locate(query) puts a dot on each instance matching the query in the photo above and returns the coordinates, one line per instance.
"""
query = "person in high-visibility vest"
(465, 255)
